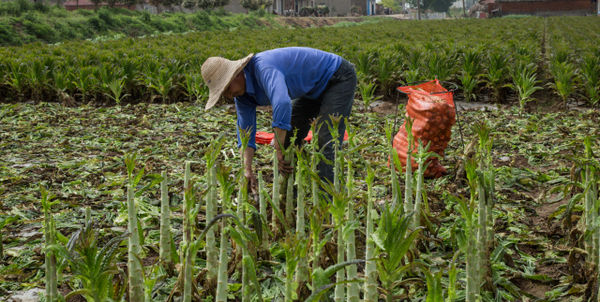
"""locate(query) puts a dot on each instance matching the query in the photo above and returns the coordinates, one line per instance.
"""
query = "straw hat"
(218, 73)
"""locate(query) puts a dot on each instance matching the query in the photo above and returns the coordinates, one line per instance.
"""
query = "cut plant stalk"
(408, 195)
(165, 223)
(136, 272)
(227, 187)
(302, 270)
(135, 269)
(422, 158)
(88, 216)
(371, 266)
(212, 254)
(276, 188)
(289, 196)
(466, 233)
(188, 221)
(263, 213)
(49, 235)
(393, 154)
(241, 209)
(351, 271)
(338, 208)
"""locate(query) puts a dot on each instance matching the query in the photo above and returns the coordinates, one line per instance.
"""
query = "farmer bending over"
(300, 83)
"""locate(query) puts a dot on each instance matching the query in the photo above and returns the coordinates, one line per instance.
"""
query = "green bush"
(97, 24)
(220, 11)
(85, 12)
(202, 20)
(105, 14)
(146, 16)
(8, 35)
(41, 7)
(41, 31)
(58, 12)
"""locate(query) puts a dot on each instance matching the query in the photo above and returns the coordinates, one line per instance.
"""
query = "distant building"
(543, 8)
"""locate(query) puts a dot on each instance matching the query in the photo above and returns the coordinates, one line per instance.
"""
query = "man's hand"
(283, 165)
(248, 155)
(252, 182)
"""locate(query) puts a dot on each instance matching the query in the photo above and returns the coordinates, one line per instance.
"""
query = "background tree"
(111, 3)
(205, 4)
(395, 5)
(265, 3)
(96, 3)
(434, 5)
(219, 3)
(156, 3)
(250, 5)
(130, 3)
(191, 4)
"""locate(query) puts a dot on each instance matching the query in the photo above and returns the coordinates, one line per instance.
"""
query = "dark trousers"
(336, 100)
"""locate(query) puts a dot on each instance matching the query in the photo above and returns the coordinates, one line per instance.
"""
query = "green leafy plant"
(563, 73)
(92, 266)
(393, 239)
(524, 81)
(116, 88)
(367, 93)
(496, 75)
(4, 222)
(590, 78)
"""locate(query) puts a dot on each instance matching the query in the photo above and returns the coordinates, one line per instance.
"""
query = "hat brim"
(215, 94)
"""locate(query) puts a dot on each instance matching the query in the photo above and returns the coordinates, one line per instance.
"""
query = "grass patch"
(23, 22)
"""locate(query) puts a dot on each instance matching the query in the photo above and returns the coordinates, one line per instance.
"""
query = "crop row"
(167, 67)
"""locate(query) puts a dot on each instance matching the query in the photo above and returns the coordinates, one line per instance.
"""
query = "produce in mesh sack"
(433, 115)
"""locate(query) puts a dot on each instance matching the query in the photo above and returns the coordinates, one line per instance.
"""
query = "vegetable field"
(117, 185)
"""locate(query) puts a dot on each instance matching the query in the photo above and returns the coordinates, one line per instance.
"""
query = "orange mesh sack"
(433, 115)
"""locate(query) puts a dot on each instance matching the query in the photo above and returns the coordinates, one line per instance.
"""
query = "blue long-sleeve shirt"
(277, 76)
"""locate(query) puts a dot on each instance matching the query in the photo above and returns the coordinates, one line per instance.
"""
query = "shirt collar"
(249, 85)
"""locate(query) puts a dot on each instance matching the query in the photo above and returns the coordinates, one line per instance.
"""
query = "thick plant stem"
(393, 154)
(408, 201)
(242, 216)
(289, 278)
(222, 281)
(289, 198)
(371, 266)
(276, 189)
(482, 228)
(339, 277)
(51, 273)
(165, 222)
(418, 196)
(472, 272)
(389, 295)
(263, 211)
(221, 295)
(302, 270)
(188, 205)
(394, 176)
(351, 271)
(88, 216)
(136, 272)
(490, 207)
(212, 253)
